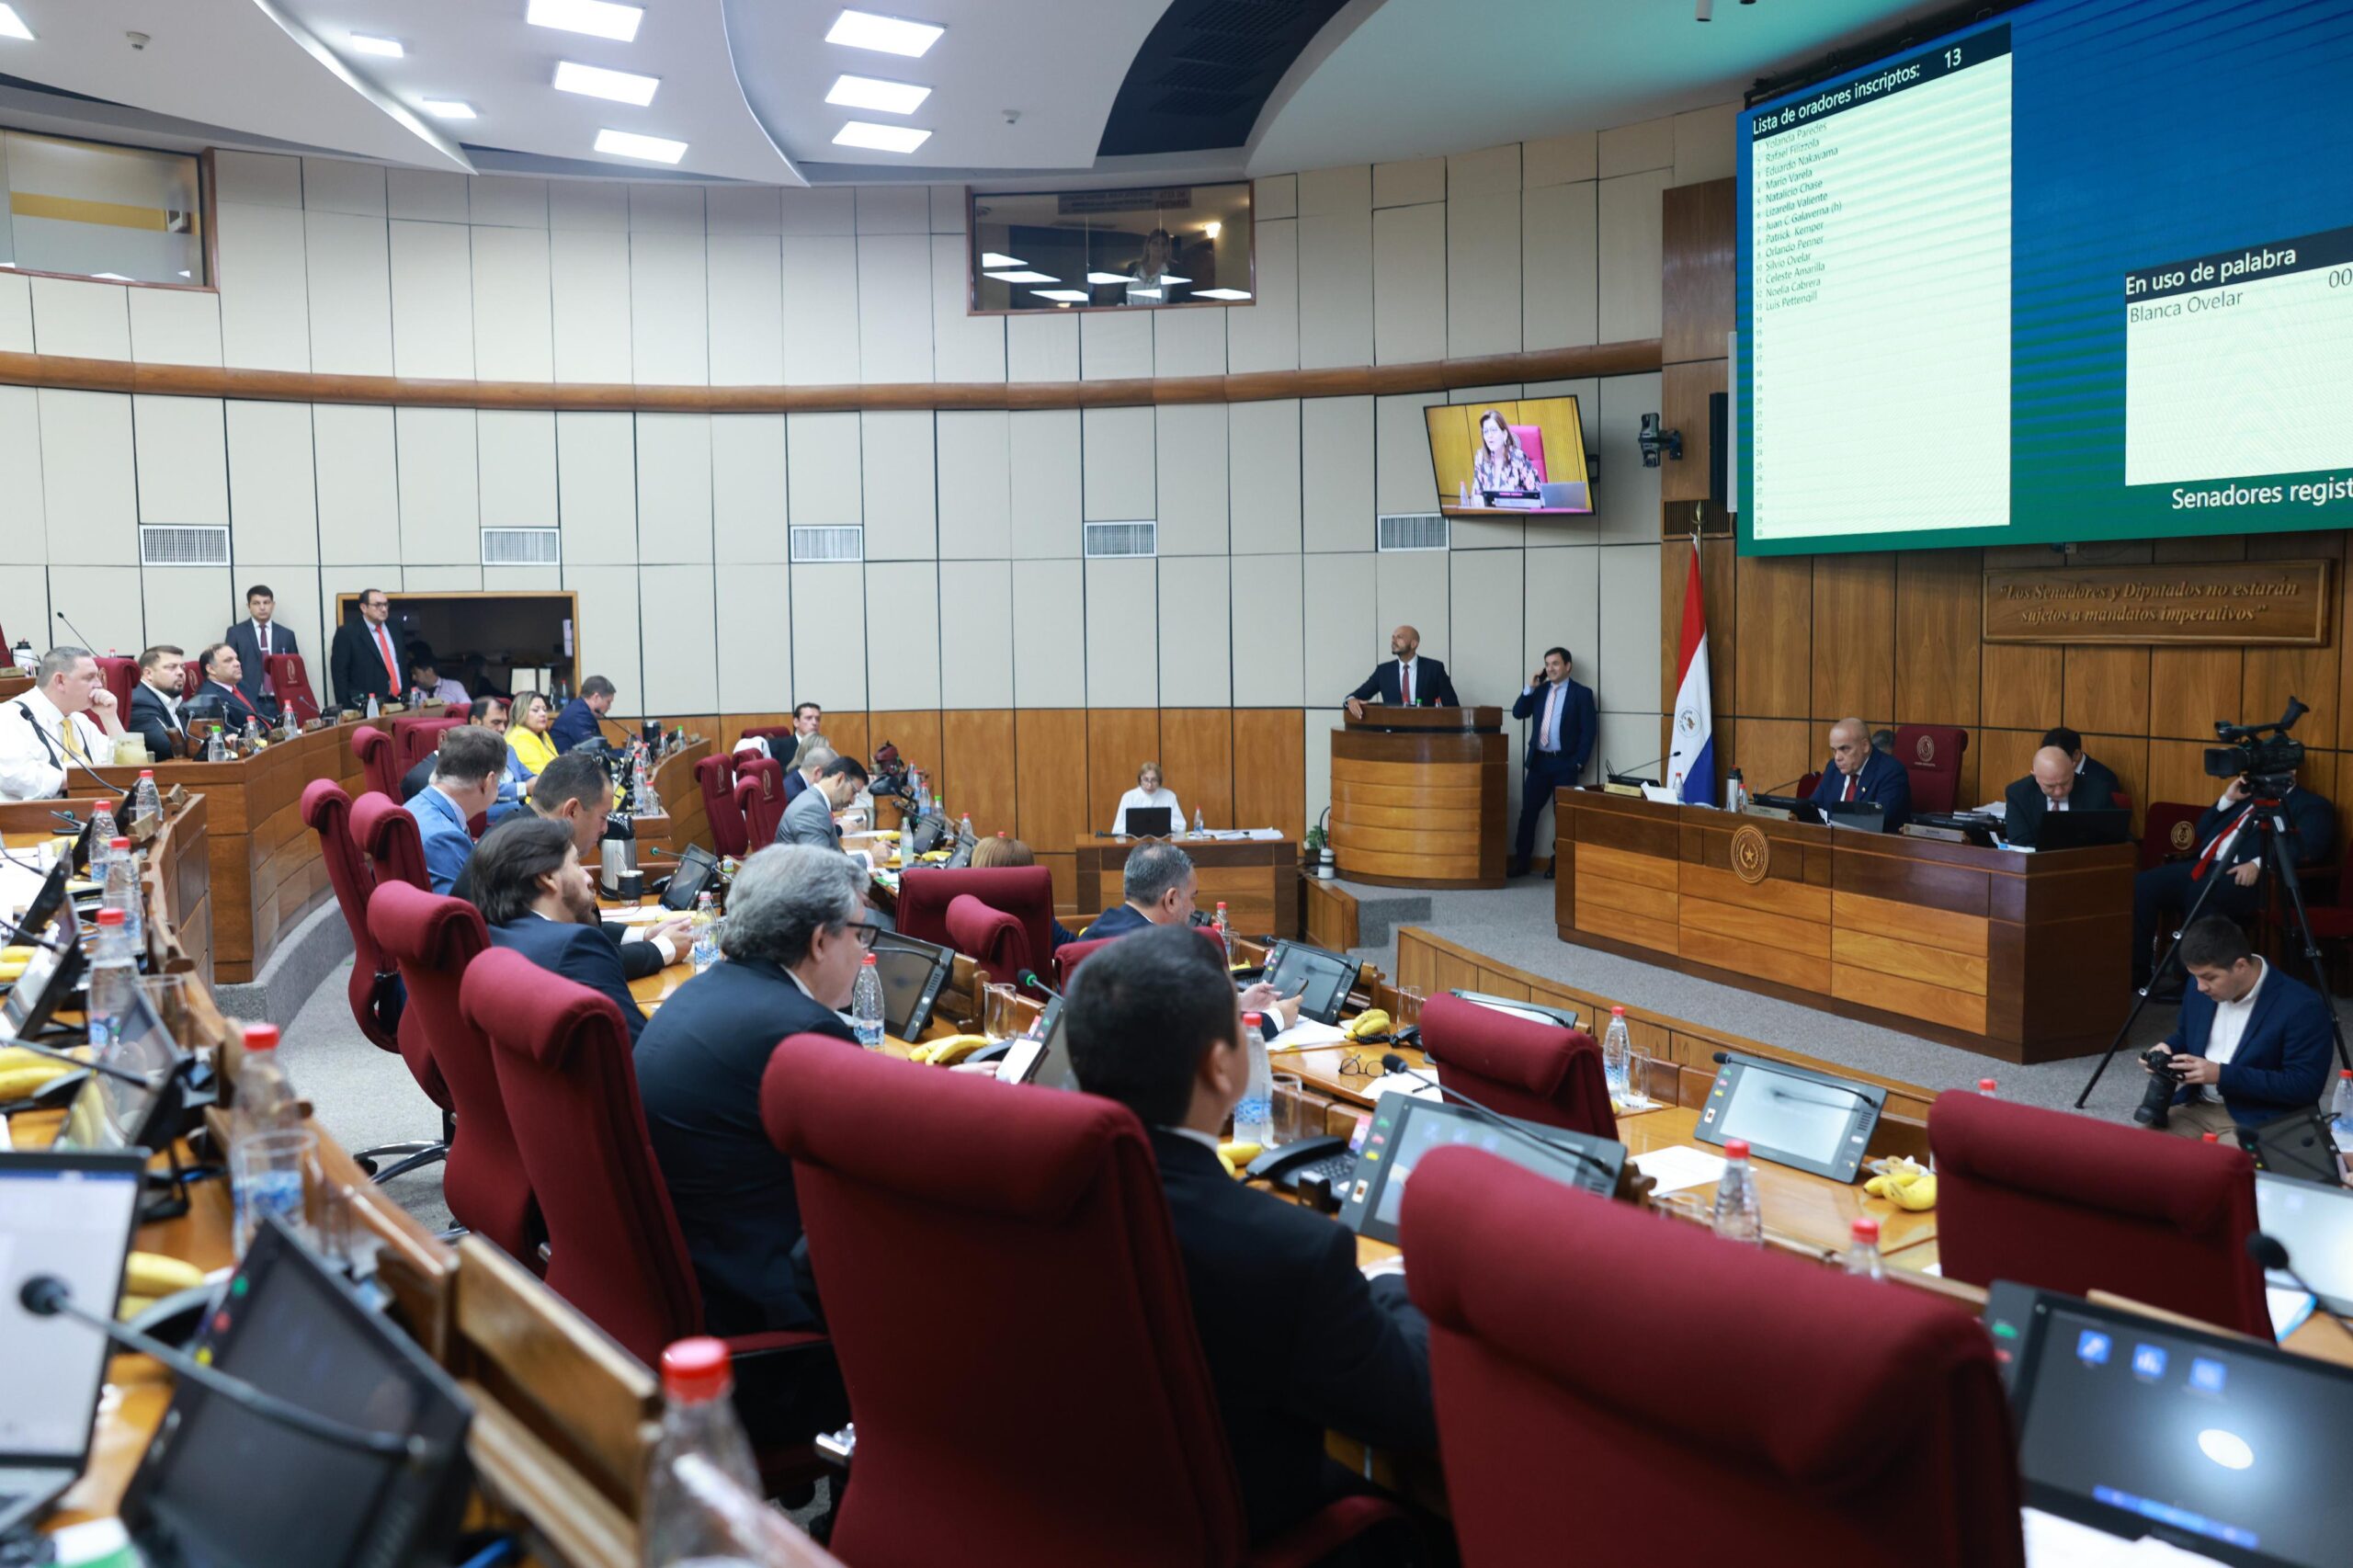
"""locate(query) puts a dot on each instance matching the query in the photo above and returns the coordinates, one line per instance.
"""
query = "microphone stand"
(1393, 1063)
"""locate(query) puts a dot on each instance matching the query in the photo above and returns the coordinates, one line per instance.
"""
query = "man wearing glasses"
(365, 658)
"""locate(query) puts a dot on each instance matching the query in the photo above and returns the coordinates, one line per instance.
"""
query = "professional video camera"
(2155, 1109)
(890, 775)
(2262, 753)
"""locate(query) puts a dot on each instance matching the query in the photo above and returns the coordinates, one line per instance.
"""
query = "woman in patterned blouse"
(1501, 465)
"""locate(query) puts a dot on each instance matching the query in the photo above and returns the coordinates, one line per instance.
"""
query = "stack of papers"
(1680, 1165)
(1307, 1035)
(2055, 1542)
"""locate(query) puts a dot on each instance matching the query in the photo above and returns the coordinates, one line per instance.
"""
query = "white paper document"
(1402, 1083)
(1306, 1035)
(2055, 1542)
(2290, 1308)
(1680, 1165)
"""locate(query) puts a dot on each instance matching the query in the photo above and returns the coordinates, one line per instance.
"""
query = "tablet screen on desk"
(1320, 980)
(112, 1114)
(911, 973)
(1809, 1121)
(1402, 1128)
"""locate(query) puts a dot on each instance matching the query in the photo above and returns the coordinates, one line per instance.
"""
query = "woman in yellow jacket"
(527, 737)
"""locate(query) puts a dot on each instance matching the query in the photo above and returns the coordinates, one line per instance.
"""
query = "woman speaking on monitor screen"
(1499, 465)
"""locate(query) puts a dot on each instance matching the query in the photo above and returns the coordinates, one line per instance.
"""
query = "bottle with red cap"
(1985, 1086)
(701, 1457)
(1737, 1216)
(866, 1005)
(122, 891)
(113, 981)
(147, 803)
(2340, 1110)
(1862, 1249)
(1617, 1049)
(264, 1106)
(1254, 1113)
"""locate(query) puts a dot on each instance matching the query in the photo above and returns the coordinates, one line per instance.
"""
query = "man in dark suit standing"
(1859, 774)
(156, 703)
(255, 638)
(2230, 846)
(224, 691)
(1407, 680)
(1152, 1024)
(2095, 780)
(366, 659)
(1559, 740)
(2052, 785)
(535, 896)
(2251, 1043)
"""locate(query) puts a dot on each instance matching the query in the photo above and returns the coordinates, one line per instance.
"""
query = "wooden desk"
(175, 873)
(2022, 957)
(1257, 879)
(1419, 796)
(684, 818)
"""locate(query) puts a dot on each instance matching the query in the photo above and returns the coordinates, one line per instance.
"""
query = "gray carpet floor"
(362, 1096)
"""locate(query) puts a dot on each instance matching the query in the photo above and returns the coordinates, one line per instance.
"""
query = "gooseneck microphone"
(1029, 978)
(102, 1069)
(2271, 1253)
(67, 759)
(76, 631)
(1393, 1063)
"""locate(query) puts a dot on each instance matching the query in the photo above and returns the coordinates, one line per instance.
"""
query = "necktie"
(71, 737)
(392, 669)
(1850, 789)
(1406, 683)
(1548, 740)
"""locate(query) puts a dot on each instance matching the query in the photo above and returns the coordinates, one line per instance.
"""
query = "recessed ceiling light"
(871, 92)
(367, 43)
(13, 26)
(1220, 293)
(185, 273)
(864, 30)
(448, 109)
(1172, 277)
(880, 138)
(630, 145)
(1212, 230)
(598, 18)
(998, 258)
(1066, 296)
(1025, 277)
(1143, 293)
(1108, 277)
(111, 276)
(621, 87)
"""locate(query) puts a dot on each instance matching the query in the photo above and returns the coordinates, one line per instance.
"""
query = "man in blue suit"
(1408, 680)
(1559, 740)
(2251, 1044)
(1857, 774)
(535, 896)
(464, 785)
(583, 716)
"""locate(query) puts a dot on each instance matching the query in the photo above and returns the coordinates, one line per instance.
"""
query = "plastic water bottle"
(1617, 1049)
(374, 708)
(2340, 1111)
(266, 1103)
(1736, 1218)
(146, 801)
(701, 1449)
(252, 732)
(1225, 929)
(102, 836)
(122, 892)
(866, 1005)
(1200, 823)
(1862, 1252)
(1253, 1113)
(114, 980)
(1736, 793)
(964, 829)
(706, 948)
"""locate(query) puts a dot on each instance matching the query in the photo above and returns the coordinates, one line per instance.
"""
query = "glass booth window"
(1103, 249)
(89, 210)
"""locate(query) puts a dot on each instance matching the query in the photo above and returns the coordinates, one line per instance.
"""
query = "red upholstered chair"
(2169, 832)
(383, 827)
(415, 739)
(990, 938)
(762, 811)
(191, 678)
(1025, 892)
(291, 682)
(1537, 1072)
(1087, 1437)
(378, 762)
(435, 940)
(769, 733)
(1808, 783)
(2071, 1204)
(715, 776)
(1531, 441)
(120, 674)
(1874, 1430)
(1931, 754)
(1070, 955)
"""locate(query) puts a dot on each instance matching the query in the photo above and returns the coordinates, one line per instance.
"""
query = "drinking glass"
(1638, 1075)
(998, 1011)
(274, 1173)
(1291, 1109)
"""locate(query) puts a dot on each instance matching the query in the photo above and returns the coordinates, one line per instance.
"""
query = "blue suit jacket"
(448, 845)
(1882, 782)
(582, 954)
(576, 723)
(1577, 724)
(1432, 689)
(2284, 1055)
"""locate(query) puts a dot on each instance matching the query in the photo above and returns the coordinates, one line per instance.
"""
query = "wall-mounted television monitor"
(1520, 457)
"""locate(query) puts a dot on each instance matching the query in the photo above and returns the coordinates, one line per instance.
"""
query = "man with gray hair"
(68, 716)
(815, 760)
(1158, 885)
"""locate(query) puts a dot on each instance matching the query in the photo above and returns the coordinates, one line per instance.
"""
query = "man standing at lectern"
(1557, 747)
(1406, 680)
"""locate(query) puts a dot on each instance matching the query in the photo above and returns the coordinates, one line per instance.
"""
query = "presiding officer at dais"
(1856, 774)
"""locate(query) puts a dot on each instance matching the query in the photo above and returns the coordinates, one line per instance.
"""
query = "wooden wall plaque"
(2224, 603)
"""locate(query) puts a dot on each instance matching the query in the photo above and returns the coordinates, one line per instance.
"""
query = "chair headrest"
(974, 925)
(1519, 1051)
(374, 816)
(947, 1138)
(999, 887)
(425, 930)
(2072, 1159)
(324, 801)
(365, 738)
(527, 1011)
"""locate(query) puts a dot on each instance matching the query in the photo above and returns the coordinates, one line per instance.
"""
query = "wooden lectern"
(1419, 796)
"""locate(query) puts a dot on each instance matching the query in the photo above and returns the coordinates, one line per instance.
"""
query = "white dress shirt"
(2230, 1027)
(1148, 799)
(32, 756)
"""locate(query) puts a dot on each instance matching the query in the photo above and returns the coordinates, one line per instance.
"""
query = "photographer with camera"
(2251, 1044)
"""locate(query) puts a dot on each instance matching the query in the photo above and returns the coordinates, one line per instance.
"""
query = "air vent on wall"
(829, 544)
(1419, 530)
(522, 547)
(1120, 539)
(184, 544)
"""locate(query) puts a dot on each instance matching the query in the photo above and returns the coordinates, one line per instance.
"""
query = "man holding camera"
(2251, 1044)
(2230, 848)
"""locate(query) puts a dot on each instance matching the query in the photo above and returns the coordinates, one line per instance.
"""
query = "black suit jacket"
(2097, 776)
(356, 666)
(582, 954)
(1882, 782)
(247, 642)
(2026, 805)
(2312, 830)
(166, 736)
(231, 702)
(698, 1066)
(1297, 1340)
(1431, 686)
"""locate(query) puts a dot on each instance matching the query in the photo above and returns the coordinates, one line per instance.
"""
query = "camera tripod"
(2265, 814)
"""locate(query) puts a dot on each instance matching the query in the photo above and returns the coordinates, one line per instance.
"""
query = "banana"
(945, 1052)
(130, 1306)
(15, 955)
(1899, 1174)
(1917, 1196)
(1373, 1020)
(16, 1083)
(152, 1274)
(1237, 1157)
(12, 969)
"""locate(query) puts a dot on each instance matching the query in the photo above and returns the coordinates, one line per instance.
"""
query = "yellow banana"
(1237, 1157)
(130, 1306)
(1373, 1020)
(16, 1083)
(1918, 1196)
(15, 955)
(946, 1052)
(152, 1274)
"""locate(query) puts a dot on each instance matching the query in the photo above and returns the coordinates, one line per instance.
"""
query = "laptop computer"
(1147, 821)
(70, 1215)
(2081, 830)
(49, 978)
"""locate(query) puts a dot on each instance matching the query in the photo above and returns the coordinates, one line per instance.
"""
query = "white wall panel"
(522, 579)
(508, 201)
(976, 634)
(440, 481)
(104, 602)
(433, 301)
(609, 628)
(894, 288)
(517, 454)
(262, 178)
(1481, 173)
(1631, 253)
(1048, 634)
(1264, 333)
(820, 308)
(175, 326)
(1345, 634)
(1122, 634)
(1625, 503)
(1483, 292)
(1403, 482)
(743, 210)
(1046, 490)
(747, 489)
(15, 314)
(1264, 478)
(359, 515)
(1118, 464)
(463, 578)
(588, 278)
(351, 294)
(1630, 149)
(1706, 144)
(1348, 188)
(1189, 446)
(1484, 609)
(1409, 284)
(436, 195)
(1189, 342)
(335, 185)
(1268, 643)
(1412, 183)
(746, 311)
(829, 634)
(1274, 195)
(1625, 676)
(187, 606)
(1413, 591)
(819, 209)
(665, 207)
(1195, 643)
(1041, 347)
(596, 471)
(965, 347)
(1335, 291)
(1559, 160)
(669, 324)
(181, 453)
(601, 205)
(1114, 345)
(895, 457)
(24, 533)
(82, 321)
(673, 508)
(88, 489)
(1560, 291)
(893, 209)
(514, 304)
(975, 485)
(263, 282)
(677, 631)
(904, 595)
(754, 628)
(824, 469)
(948, 213)
(1337, 470)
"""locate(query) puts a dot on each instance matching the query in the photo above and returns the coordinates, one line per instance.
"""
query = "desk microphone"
(76, 631)
(1393, 1063)
(2271, 1253)
(67, 757)
(45, 1295)
(1616, 778)
(1029, 978)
